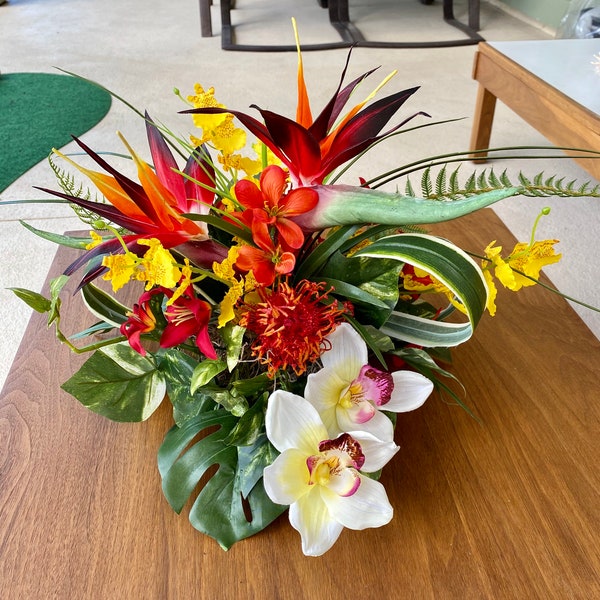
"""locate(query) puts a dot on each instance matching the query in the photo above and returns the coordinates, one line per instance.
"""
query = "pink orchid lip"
(377, 385)
(362, 412)
(354, 488)
(346, 445)
(335, 469)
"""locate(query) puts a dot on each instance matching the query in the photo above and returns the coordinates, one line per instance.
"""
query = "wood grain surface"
(502, 506)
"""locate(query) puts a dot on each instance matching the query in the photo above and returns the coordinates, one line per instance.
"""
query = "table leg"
(482, 123)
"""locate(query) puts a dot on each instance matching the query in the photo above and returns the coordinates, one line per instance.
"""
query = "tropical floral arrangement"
(286, 317)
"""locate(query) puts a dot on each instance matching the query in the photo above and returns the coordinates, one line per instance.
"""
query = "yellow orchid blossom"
(97, 239)
(206, 99)
(158, 266)
(520, 269)
(121, 269)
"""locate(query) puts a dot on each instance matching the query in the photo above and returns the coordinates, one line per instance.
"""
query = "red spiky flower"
(291, 325)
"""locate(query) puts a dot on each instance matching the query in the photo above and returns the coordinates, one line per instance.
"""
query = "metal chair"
(339, 17)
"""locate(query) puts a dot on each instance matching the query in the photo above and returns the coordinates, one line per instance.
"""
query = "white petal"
(377, 452)
(311, 518)
(368, 507)
(292, 422)
(379, 425)
(348, 352)
(410, 391)
(286, 479)
(323, 390)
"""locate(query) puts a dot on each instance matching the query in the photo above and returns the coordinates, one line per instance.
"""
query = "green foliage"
(118, 383)
(445, 185)
(34, 300)
(447, 263)
(177, 369)
(232, 504)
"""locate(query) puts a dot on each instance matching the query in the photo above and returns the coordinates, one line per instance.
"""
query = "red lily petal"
(248, 194)
(205, 345)
(299, 201)
(290, 232)
(273, 181)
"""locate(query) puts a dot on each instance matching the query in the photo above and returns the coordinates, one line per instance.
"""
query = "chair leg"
(205, 19)
(474, 15)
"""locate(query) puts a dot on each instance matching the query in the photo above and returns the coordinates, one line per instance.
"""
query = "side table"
(551, 84)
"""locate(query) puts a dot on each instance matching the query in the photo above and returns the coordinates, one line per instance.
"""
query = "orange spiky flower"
(291, 325)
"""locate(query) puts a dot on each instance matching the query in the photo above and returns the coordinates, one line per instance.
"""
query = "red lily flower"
(271, 206)
(265, 262)
(313, 149)
(186, 317)
(141, 320)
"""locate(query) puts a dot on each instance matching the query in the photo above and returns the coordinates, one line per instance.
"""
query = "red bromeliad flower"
(312, 149)
(186, 317)
(270, 206)
(291, 325)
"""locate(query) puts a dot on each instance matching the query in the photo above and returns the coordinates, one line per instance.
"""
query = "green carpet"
(40, 111)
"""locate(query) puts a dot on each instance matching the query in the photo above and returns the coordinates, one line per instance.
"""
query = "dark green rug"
(40, 111)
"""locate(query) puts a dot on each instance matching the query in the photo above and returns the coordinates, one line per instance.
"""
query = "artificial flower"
(270, 206)
(291, 325)
(140, 320)
(520, 269)
(321, 478)
(153, 208)
(121, 268)
(158, 266)
(265, 262)
(312, 149)
(418, 281)
(188, 317)
(350, 395)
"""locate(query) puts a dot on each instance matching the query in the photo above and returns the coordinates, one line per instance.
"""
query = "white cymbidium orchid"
(349, 394)
(320, 478)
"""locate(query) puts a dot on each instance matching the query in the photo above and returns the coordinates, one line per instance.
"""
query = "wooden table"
(551, 84)
(505, 506)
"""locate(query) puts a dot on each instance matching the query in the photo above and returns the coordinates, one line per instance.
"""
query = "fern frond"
(446, 186)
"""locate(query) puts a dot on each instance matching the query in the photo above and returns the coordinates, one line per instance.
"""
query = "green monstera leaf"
(233, 504)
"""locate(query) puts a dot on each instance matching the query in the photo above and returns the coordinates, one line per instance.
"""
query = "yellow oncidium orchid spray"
(157, 267)
(521, 268)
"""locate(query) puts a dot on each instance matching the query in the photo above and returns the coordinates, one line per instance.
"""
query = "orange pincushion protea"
(291, 324)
